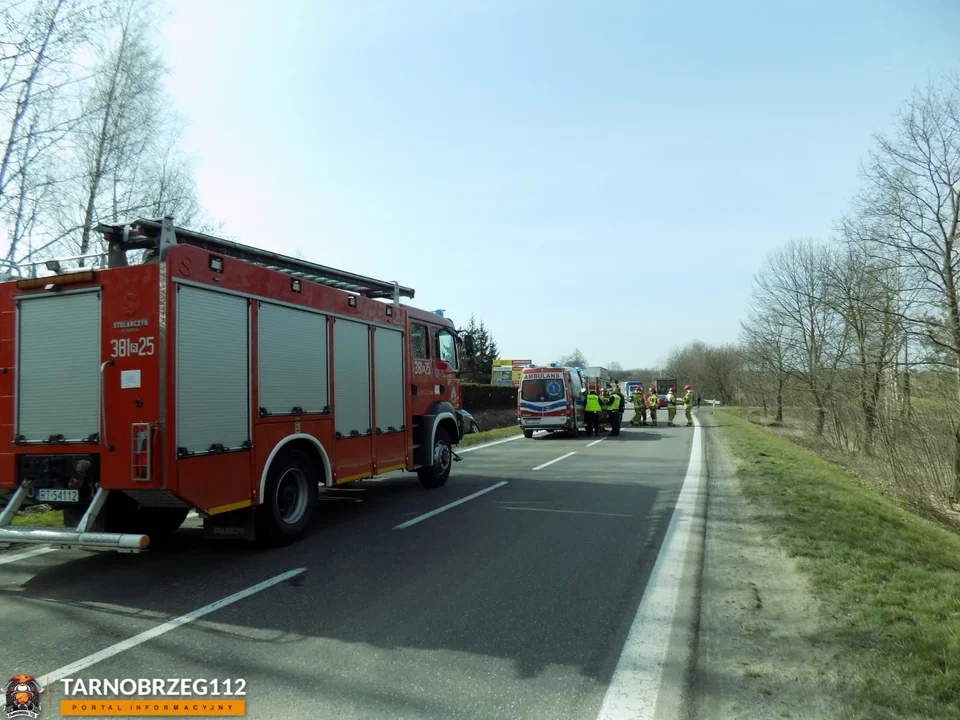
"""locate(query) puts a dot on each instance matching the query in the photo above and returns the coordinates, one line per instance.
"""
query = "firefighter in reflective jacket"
(639, 408)
(591, 409)
(671, 408)
(613, 408)
(688, 399)
(652, 403)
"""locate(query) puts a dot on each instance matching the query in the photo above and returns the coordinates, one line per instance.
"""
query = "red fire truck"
(213, 376)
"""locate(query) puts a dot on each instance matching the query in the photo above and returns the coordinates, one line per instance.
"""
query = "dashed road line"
(551, 462)
(425, 516)
(24, 554)
(83, 663)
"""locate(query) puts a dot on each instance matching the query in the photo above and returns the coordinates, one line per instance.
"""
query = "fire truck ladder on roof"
(170, 236)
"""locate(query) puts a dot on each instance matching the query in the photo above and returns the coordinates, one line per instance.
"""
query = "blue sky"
(604, 175)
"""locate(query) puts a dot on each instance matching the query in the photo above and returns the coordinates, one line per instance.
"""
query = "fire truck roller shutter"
(292, 360)
(213, 373)
(351, 377)
(58, 364)
(389, 383)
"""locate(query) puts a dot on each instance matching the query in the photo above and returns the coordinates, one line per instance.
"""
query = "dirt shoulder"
(760, 652)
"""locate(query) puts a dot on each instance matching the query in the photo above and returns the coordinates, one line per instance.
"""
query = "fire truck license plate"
(532, 421)
(56, 495)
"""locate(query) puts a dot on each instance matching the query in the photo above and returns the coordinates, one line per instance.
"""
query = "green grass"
(45, 518)
(488, 435)
(888, 581)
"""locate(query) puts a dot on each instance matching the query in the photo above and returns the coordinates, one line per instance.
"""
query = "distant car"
(470, 424)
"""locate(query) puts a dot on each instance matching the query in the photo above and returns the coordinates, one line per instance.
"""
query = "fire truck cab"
(213, 376)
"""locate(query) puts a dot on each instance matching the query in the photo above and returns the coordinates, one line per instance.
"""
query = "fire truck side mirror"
(468, 345)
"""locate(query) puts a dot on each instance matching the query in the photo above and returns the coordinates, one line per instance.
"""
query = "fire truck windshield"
(548, 390)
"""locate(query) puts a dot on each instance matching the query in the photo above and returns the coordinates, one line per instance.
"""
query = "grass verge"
(44, 518)
(488, 435)
(888, 581)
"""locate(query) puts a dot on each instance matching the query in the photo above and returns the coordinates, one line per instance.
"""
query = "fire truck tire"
(290, 498)
(528, 433)
(436, 475)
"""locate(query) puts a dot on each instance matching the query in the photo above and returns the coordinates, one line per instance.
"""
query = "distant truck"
(663, 387)
(630, 387)
(551, 398)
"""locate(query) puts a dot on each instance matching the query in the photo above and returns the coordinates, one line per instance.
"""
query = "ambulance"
(551, 398)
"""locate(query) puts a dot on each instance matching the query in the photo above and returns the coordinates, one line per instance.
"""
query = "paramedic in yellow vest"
(591, 409)
(688, 399)
(613, 407)
(671, 407)
(652, 403)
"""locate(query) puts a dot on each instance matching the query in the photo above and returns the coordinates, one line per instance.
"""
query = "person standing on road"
(688, 404)
(622, 408)
(653, 402)
(591, 409)
(639, 408)
(613, 408)
(671, 407)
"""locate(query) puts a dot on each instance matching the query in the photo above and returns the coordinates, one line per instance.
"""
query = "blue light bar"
(438, 312)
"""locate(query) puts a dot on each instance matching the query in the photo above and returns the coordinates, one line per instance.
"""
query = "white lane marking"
(551, 462)
(489, 444)
(83, 663)
(575, 512)
(421, 518)
(13, 557)
(596, 441)
(633, 691)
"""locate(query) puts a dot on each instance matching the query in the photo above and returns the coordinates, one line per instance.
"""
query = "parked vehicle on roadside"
(213, 376)
(470, 424)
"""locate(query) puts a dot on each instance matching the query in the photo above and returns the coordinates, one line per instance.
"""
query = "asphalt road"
(515, 603)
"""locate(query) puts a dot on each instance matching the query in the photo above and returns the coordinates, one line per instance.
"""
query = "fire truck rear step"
(67, 537)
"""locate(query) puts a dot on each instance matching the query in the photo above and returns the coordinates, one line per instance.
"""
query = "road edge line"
(163, 628)
(634, 689)
(481, 446)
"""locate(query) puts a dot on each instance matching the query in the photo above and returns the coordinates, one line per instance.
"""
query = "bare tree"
(38, 40)
(574, 359)
(764, 349)
(114, 142)
(616, 371)
(708, 369)
(915, 190)
(794, 288)
(865, 292)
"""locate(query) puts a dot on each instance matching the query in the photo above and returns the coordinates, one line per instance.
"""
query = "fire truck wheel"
(290, 498)
(436, 475)
(528, 433)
